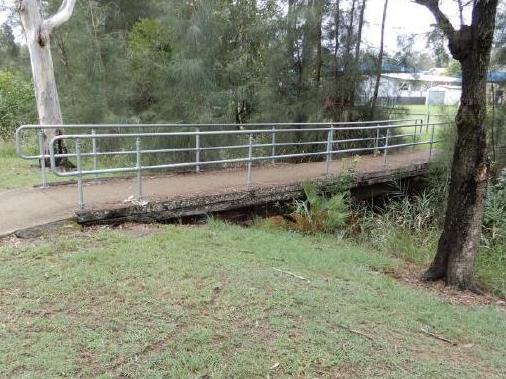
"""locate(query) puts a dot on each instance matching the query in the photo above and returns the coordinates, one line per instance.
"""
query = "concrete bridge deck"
(30, 207)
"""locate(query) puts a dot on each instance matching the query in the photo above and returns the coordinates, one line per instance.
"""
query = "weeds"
(318, 213)
(406, 226)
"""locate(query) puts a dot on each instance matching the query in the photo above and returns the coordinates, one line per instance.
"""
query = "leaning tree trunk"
(356, 68)
(462, 229)
(380, 62)
(459, 242)
(37, 32)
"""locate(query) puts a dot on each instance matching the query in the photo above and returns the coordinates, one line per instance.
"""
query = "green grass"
(207, 302)
(15, 172)
(435, 110)
(419, 248)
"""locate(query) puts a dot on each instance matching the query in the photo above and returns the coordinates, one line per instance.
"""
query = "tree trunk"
(380, 62)
(356, 68)
(37, 32)
(308, 41)
(349, 37)
(318, 37)
(359, 35)
(459, 242)
(337, 23)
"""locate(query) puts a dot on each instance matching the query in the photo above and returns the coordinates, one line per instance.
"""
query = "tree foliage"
(16, 102)
(208, 61)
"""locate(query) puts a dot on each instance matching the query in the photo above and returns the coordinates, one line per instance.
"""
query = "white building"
(444, 95)
(407, 88)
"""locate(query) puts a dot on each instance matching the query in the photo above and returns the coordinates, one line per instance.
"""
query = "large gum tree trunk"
(37, 32)
(460, 239)
(459, 242)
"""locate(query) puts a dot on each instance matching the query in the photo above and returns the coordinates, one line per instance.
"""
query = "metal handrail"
(331, 150)
(95, 127)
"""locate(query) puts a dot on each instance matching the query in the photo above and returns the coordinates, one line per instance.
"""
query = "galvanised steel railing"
(381, 136)
(43, 152)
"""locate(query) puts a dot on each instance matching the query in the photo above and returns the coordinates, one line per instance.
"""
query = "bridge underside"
(173, 196)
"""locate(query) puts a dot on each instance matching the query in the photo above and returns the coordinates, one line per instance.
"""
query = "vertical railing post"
(376, 142)
(197, 150)
(42, 159)
(250, 157)
(79, 174)
(431, 142)
(139, 168)
(273, 153)
(330, 138)
(385, 153)
(414, 134)
(94, 152)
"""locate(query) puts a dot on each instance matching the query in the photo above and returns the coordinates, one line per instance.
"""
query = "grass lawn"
(174, 301)
(435, 111)
(15, 172)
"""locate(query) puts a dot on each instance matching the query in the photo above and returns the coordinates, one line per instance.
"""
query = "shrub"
(17, 103)
(494, 220)
(319, 213)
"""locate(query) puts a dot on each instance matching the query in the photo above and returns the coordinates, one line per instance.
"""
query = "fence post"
(250, 156)
(197, 151)
(330, 138)
(376, 142)
(79, 174)
(385, 153)
(273, 154)
(414, 134)
(139, 168)
(94, 152)
(431, 141)
(42, 159)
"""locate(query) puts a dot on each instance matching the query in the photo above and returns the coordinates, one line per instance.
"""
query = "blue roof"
(496, 76)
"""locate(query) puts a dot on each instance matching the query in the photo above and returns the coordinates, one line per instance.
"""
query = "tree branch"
(60, 17)
(483, 12)
(442, 21)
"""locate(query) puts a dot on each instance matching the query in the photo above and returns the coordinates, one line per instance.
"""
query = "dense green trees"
(16, 102)
(208, 61)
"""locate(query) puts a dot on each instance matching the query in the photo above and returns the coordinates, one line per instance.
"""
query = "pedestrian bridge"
(162, 172)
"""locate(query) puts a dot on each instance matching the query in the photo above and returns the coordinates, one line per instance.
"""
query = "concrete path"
(29, 207)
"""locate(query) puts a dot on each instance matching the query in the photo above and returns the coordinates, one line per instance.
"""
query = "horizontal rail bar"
(224, 161)
(20, 129)
(231, 132)
(268, 124)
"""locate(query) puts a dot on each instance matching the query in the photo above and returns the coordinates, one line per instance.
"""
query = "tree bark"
(319, 60)
(337, 22)
(459, 242)
(380, 62)
(356, 68)
(349, 37)
(37, 32)
(359, 35)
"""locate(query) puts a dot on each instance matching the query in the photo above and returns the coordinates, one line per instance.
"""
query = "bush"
(494, 220)
(318, 213)
(17, 103)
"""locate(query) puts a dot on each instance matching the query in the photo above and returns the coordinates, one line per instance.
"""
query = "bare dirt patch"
(411, 275)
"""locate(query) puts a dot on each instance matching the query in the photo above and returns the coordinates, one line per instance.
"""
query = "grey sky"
(404, 17)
